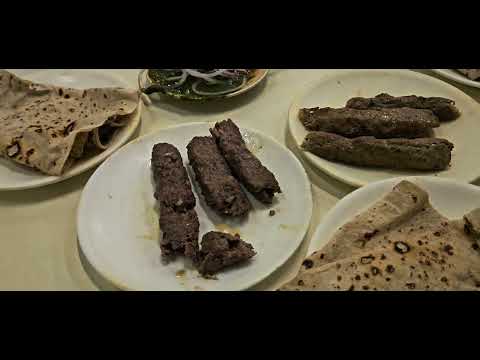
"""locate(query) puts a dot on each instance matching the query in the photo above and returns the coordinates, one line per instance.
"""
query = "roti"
(47, 127)
(412, 247)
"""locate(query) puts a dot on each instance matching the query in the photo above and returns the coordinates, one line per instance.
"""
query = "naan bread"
(422, 251)
(39, 124)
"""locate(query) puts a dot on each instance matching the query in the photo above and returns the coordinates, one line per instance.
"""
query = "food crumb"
(110, 196)
(180, 273)
(271, 213)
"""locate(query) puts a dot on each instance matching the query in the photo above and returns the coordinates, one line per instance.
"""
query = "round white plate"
(259, 74)
(456, 76)
(452, 199)
(15, 177)
(118, 224)
(336, 88)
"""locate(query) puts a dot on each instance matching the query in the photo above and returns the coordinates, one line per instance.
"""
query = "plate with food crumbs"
(57, 124)
(408, 233)
(379, 124)
(177, 220)
(469, 77)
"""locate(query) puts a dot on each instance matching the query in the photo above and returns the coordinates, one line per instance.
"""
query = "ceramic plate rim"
(121, 139)
(329, 167)
(257, 79)
(458, 78)
(324, 227)
(92, 259)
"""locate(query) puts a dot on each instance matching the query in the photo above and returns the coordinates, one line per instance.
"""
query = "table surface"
(38, 240)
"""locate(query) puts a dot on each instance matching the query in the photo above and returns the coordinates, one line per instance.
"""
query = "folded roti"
(367, 228)
(40, 124)
(422, 251)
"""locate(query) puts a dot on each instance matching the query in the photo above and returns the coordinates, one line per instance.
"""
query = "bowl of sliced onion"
(199, 84)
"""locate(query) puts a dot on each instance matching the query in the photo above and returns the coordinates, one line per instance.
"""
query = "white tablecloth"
(38, 242)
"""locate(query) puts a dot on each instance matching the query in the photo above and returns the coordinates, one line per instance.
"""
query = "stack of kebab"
(384, 131)
(220, 162)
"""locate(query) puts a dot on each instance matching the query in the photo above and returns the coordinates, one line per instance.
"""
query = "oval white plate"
(15, 177)
(451, 198)
(118, 224)
(335, 89)
(456, 76)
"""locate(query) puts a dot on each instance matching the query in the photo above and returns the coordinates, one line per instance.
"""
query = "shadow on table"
(98, 280)
(184, 107)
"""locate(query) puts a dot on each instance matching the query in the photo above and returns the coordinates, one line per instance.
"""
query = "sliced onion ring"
(215, 93)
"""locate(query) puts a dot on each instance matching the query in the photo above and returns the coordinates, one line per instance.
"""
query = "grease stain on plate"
(288, 227)
(253, 143)
(225, 228)
(180, 274)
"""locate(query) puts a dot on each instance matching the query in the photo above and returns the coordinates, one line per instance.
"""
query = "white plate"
(15, 177)
(258, 75)
(335, 89)
(452, 199)
(456, 76)
(118, 224)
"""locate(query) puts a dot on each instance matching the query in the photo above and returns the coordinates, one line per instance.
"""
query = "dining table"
(39, 248)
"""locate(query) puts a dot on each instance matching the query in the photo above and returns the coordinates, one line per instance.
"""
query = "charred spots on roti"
(383, 257)
(401, 247)
(437, 233)
(300, 283)
(351, 288)
(414, 198)
(338, 266)
(339, 278)
(370, 234)
(390, 269)
(375, 270)
(366, 275)
(467, 229)
(444, 279)
(307, 263)
(410, 286)
(475, 246)
(358, 277)
(420, 242)
(365, 287)
(69, 128)
(14, 149)
(367, 259)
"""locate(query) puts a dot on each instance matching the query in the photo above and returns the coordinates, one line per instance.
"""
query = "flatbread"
(422, 251)
(366, 230)
(40, 123)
